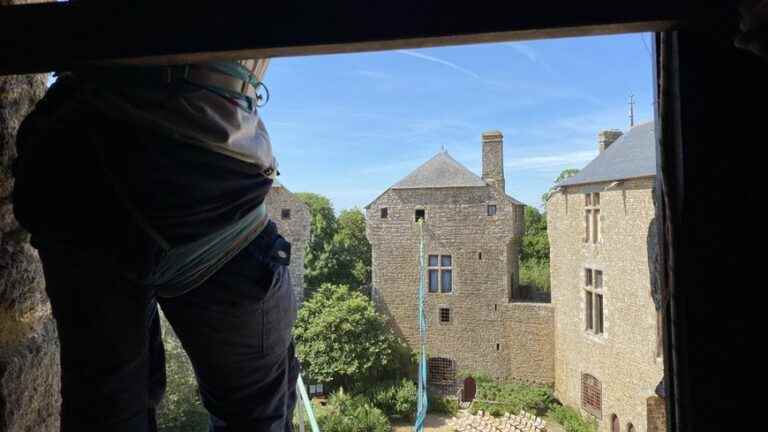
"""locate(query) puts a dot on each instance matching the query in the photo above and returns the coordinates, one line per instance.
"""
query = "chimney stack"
(607, 137)
(493, 158)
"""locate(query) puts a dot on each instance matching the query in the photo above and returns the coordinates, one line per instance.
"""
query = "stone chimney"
(607, 137)
(493, 158)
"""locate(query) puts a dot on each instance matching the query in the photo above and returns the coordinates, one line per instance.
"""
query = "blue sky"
(349, 126)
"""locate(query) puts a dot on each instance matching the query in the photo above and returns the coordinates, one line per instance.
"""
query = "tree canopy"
(342, 341)
(338, 251)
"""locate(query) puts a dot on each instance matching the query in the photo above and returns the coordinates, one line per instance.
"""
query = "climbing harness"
(422, 401)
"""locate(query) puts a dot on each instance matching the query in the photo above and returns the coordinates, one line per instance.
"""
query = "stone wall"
(29, 359)
(529, 342)
(623, 358)
(657, 414)
(295, 228)
(484, 250)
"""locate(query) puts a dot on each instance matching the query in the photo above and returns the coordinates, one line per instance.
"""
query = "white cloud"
(440, 61)
(531, 54)
(551, 162)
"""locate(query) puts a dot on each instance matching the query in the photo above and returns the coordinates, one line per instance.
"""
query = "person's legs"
(112, 363)
(236, 329)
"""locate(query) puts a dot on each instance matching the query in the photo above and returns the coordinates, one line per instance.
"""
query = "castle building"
(293, 221)
(472, 237)
(608, 350)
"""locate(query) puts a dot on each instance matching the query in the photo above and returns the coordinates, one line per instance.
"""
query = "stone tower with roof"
(472, 235)
(604, 285)
(293, 221)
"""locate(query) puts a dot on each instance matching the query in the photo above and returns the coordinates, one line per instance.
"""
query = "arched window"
(630, 427)
(615, 426)
(442, 374)
(592, 395)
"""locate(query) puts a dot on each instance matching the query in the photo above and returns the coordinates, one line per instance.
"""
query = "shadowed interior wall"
(29, 352)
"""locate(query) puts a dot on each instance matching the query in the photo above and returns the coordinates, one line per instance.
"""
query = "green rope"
(307, 405)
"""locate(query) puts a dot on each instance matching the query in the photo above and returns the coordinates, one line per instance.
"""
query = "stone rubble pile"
(483, 422)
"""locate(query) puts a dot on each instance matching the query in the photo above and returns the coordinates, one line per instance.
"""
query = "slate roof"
(632, 155)
(440, 172)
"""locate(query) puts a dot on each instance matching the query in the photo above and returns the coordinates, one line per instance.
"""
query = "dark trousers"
(235, 328)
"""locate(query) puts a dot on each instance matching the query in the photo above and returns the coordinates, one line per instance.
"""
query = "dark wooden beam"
(60, 36)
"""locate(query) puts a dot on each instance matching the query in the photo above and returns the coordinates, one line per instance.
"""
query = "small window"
(445, 315)
(615, 424)
(591, 218)
(491, 209)
(593, 301)
(479, 255)
(630, 427)
(592, 395)
(498, 347)
(285, 214)
(384, 212)
(420, 215)
(440, 273)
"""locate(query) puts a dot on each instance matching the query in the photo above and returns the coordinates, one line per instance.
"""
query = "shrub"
(395, 399)
(534, 274)
(511, 397)
(343, 342)
(441, 405)
(348, 413)
(571, 420)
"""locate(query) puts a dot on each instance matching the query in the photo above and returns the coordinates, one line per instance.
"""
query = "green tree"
(318, 260)
(351, 251)
(338, 251)
(535, 240)
(570, 172)
(343, 342)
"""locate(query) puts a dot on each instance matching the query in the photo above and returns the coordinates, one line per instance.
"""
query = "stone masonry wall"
(624, 357)
(29, 355)
(529, 342)
(457, 224)
(295, 229)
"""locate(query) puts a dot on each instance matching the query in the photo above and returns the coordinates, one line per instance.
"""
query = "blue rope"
(422, 402)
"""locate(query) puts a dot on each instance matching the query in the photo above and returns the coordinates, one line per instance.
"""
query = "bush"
(571, 420)
(511, 397)
(348, 413)
(534, 274)
(441, 405)
(343, 342)
(398, 399)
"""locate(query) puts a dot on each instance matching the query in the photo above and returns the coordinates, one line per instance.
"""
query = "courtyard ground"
(439, 423)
